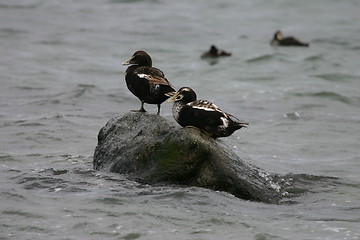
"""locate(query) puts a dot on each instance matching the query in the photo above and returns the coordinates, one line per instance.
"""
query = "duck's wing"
(154, 79)
(205, 105)
(292, 41)
(214, 112)
(201, 113)
(153, 75)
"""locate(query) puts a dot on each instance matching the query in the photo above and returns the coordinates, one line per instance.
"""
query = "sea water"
(62, 80)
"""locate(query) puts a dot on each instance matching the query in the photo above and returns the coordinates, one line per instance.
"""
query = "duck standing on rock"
(214, 52)
(201, 114)
(146, 82)
(279, 40)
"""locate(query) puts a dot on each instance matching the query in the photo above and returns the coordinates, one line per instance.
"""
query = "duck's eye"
(179, 97)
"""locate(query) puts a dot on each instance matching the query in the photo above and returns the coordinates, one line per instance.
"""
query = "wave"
(55, 180)
(79, 92)
(337, 77)
(25, 88)
(293, 186)
(82, 89)
(328, 95)
(355, 48)
(261, 58)
(21, 6)
(129, 1)
(314, 58)
(52, 42)
(264, 78)
(11, 32)
(335, 41)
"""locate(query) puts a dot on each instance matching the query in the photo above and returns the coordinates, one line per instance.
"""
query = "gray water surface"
(62, 80)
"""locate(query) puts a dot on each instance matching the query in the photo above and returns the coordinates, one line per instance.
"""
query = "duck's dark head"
(185, 95)
(278, 35)
(213, 50)
(140, 58)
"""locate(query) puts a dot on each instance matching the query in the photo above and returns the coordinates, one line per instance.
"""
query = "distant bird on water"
(146, 82)
(203, 115)
(214, 52)
(279, 40)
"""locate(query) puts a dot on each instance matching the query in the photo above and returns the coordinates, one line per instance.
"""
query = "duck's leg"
(158, 112)
(142, 109)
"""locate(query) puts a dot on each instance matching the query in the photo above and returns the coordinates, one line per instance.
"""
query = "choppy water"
(61, 81)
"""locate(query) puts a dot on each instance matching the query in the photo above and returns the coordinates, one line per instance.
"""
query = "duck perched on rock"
(146, 82)
(214, 52)
(279, 40)
(201, 114)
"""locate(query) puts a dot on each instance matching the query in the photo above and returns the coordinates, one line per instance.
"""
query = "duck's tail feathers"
(238, 122)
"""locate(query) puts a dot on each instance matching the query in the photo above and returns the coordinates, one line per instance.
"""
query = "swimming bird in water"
(146, 82)
(279, 40)
(214, 52)
(203, 115)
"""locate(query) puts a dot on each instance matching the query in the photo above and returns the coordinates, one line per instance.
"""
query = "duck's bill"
(128, 62)
(172, 96)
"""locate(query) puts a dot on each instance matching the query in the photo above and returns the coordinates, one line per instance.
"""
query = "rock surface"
(150, 148)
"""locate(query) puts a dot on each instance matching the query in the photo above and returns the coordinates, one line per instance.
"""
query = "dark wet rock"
(148, 147)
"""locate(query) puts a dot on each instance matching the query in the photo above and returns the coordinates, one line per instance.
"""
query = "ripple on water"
(131, 236)
(296, 185)
(58, 180)
(14, 197)
(111, 201)
(129, 1)
(174, 195)
(337, 77)
(29, 88)
(314, 58)
(327, 95)
(334, 41)
(22, 214)
(260, 78)
(8, 158)
(265, 236)
(9, 32)
(18, 5)
(262, 58)
(79, 92)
